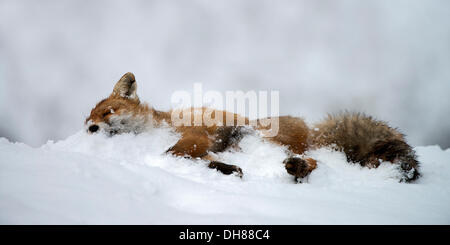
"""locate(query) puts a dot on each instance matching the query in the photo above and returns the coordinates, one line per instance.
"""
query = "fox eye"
(106, 113)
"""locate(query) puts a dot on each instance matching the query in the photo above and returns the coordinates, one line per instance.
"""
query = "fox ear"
(126, 87)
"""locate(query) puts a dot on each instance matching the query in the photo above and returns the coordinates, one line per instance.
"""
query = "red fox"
(363, 139)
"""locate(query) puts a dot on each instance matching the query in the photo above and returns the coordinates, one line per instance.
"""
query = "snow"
(127, 179)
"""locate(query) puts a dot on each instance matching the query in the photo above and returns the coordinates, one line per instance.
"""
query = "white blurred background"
(388, 58)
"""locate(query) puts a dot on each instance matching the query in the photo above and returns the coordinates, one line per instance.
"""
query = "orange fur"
(293, 133)
(362, 138)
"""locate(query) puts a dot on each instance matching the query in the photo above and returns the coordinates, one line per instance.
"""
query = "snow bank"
(126, 179)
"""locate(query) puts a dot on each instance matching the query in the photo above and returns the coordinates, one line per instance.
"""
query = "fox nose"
(93, 128)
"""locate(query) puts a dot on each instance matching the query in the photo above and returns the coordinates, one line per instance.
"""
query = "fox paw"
(226, 168)
(298, 167)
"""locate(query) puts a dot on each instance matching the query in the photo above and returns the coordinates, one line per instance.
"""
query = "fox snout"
(93, 128)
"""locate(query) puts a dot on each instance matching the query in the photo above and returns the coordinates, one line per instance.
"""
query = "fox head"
(121, 112)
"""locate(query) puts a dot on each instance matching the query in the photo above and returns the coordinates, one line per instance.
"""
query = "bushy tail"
(367, 141)
(398, 151)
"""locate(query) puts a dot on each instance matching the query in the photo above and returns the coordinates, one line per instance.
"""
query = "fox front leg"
(194, 147)
(226, 169)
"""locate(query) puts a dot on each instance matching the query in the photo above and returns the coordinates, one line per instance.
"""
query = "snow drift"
(127, 179)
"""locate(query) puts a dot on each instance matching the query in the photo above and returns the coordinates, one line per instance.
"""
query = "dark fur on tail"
(367, 141)
(226, 137)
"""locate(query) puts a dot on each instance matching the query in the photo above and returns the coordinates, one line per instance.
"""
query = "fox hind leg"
(298, 167)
